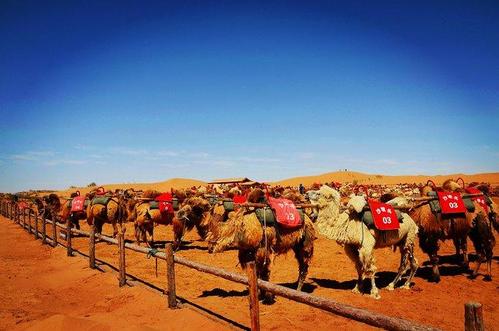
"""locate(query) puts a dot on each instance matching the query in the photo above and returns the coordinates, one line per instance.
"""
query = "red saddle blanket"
(479, 199)
(384, 215)
(78, 204)
(451, 202)
(239, 198)
(286, 213)
(165, 202)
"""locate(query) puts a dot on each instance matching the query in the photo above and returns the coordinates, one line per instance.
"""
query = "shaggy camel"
(481, 233)
(259, 242)
(359, 242)
(146, 215)
(114, 209)
(434, 228)
(194, 212)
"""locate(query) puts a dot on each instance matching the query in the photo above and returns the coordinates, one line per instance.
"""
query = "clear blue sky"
(133, 91)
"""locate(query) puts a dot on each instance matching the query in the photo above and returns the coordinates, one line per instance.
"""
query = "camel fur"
(260, 243)
(359, 242)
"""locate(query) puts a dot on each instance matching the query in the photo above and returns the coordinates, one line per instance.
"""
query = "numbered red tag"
(286, 213)
(165, 203)
(451, 202)
(384, 215)
(77, 204)
(479, 199)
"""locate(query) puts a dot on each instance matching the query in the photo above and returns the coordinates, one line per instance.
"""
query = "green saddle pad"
(468, 203)
(101, 201)
(265, 216)
(154, 204)
(175, 204)
(228, 205)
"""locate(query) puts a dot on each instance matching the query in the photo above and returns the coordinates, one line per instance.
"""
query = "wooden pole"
(44, 229)
(29, 220)
(37, 234)
(170, 276)
(24, 218)
(68, 238)
(473, 317)
(121, 245)
(91, 248)
(253, 296)
(54, 231)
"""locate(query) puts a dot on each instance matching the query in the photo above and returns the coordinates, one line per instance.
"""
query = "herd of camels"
(227, 217)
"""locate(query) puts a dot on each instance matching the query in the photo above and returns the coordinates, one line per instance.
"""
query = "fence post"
(54, 231)
(170, 276)
(91, 248)
(24, 219)
(121, 245)
(44, 229)
(29, 220)
(68, 237)
(36, 226)
(253, 296)
(473, 317)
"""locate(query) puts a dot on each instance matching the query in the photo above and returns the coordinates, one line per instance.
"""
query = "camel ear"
(357, 203)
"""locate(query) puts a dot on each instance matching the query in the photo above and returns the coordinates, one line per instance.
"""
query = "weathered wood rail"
(473, 311)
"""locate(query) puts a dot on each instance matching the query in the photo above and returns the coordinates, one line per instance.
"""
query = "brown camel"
(259, 242)
(435, 227)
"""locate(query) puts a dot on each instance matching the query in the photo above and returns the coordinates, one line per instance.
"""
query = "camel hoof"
(435, 279)
(375, 296)
(356, 290)
(406, 286)
(390, 287)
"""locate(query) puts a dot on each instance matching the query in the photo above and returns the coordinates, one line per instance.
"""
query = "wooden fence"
(30, 222)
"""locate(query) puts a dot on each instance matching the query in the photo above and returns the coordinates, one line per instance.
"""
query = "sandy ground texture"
(42, 288)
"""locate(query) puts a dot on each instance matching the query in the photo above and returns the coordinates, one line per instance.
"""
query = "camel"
(259, 242)
(359, 242)
(74, 217)
(434, 228)
(112, 209)
(146, 215)
(48, 206)
(194, 212)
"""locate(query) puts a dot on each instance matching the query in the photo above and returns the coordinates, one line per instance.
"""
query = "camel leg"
(435, 277)
(137, 233)
(263, 265)
(464, 248)
(477, 268)
(178, 231)
(369, 264)
(303, 256)
(115, 229)
(488, 277)
(353, 253)
(404, 253)
(414, 268)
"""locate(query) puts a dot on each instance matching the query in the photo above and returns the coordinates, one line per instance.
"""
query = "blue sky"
(133, 91)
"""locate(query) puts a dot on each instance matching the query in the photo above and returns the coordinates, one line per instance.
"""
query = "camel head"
(357, 203)
(452, 185)
(324, 196)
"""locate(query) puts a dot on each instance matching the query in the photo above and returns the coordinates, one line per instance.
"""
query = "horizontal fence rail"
(358, 314)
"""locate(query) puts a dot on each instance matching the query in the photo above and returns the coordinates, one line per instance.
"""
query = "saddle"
(381, 216)
(450, 203)
(100, 200)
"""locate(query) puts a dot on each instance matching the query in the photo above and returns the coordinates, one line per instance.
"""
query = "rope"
(265, 235)
(152, 252)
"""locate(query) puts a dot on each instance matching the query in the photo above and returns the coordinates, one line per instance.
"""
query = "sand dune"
(361, 178)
